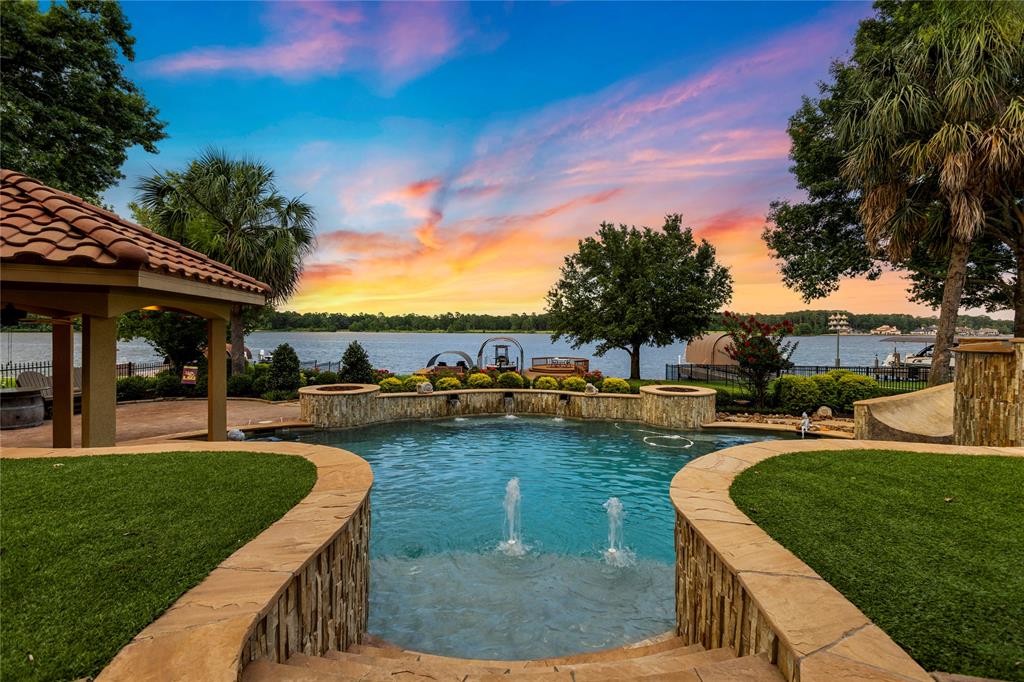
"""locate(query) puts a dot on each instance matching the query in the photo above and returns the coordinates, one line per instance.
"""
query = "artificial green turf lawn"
(95, 548)
(930, 547)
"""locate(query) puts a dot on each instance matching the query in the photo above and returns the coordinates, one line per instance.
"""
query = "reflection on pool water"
(439, 582)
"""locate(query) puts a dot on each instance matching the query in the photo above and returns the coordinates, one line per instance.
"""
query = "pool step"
(663, 659)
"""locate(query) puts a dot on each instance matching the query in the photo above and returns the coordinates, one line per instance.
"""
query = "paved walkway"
(136, 421)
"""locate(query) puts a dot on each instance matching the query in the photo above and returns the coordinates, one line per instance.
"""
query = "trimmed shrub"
(510, 380)
(327, 378)
(828, 388)
(853, 387)
(260, 383)
(167, 385)
(132, 388)
(391, 385)
(284, 372)
(380, 375)
(356, 367)
(546, 384)
(415, 380)
(614, 385)
(576, 384)
(276, 395)
(797, 394)
(240, 385)
(595, 378)
(479, 380)
(447, 384)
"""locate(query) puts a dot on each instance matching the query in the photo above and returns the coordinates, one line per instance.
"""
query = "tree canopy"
(69, 113)
(231, 210)
(627, 287)
(912, 158)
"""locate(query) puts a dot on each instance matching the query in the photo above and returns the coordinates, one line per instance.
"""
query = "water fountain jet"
(617, 554)
(512, 545)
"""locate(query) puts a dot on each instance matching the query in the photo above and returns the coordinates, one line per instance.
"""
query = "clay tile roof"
(39, 224)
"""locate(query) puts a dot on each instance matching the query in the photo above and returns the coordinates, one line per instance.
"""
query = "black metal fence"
(10, 371)
(895, 379)
(321, 366)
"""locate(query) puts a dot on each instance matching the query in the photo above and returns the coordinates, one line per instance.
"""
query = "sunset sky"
(455, 153)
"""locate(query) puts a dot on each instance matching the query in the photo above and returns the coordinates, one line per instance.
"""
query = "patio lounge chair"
(45, 384)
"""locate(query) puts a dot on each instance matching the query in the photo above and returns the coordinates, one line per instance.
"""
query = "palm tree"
(230, 209)
(934, 126)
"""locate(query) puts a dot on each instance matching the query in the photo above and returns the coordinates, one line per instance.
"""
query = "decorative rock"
(425, 388)
(823, 412)
(236, 434)
(591, 389)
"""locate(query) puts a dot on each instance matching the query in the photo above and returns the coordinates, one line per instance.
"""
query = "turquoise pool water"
(439, 582)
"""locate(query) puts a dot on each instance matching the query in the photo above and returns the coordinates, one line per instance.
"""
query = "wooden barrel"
(20, 408)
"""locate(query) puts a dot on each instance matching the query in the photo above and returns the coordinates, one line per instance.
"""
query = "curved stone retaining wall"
(299, 586)
(738, 588)
(359, 405)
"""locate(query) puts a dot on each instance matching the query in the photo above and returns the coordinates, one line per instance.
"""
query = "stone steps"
(662, 661)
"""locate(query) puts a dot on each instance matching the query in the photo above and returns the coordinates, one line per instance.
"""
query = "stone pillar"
(99, 381)
(216, 380)
(63, 337)
(989, 394)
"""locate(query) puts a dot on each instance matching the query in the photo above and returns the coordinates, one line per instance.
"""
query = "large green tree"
(69, 113)
(231, 210)
(627, 287)
(820, 241)
(913, 153)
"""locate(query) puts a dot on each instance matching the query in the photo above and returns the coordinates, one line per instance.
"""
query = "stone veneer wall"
(299, 586)
(737, 588)
(365, 404)
(989, 394)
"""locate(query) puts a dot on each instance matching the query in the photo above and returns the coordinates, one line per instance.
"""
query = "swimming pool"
(445, 580)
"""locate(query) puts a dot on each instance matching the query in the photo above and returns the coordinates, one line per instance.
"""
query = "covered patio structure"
(63, 258)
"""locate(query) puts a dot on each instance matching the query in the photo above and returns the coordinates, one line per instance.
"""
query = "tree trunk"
(237, 340)
(952, 291)
(1018, 293)
(634, 362)
(1018, 296)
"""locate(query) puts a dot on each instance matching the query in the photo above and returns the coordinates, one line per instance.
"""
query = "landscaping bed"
(929, 546)
(95, 548)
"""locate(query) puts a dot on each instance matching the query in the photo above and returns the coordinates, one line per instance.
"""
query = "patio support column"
(99, 381)
(63, 382)
(216, 380)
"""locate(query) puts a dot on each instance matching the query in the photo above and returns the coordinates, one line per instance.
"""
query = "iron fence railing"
(899, 379)
(9, 372)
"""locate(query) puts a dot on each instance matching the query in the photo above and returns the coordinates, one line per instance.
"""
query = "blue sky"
(455, 149)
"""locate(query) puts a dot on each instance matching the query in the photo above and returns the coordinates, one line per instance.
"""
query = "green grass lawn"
(930, 547)
(95, 548)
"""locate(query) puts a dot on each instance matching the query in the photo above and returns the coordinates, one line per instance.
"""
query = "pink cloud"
(398, 41)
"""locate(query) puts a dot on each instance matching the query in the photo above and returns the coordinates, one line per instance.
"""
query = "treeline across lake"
(805, 322)
(411, 322)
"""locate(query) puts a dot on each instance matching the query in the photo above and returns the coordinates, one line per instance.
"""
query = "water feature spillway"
(446, 492)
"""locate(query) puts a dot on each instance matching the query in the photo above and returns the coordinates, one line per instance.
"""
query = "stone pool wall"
(359, 405)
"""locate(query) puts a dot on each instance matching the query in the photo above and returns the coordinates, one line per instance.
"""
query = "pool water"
(439, 582)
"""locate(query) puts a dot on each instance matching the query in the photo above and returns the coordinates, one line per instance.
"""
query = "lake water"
(405, 352)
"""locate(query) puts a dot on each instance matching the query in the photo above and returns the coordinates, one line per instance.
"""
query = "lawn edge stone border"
(738, 588)
(300, 586)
